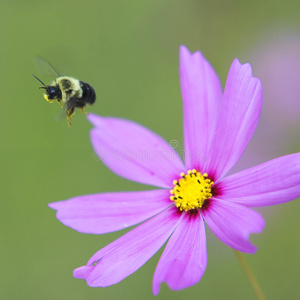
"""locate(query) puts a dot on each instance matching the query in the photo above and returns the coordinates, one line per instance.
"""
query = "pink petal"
(233, 223)
(239, 116)
(128, 253)
(183, 261)
(83, 272)
(202, 94)
(134, 152)
(102, 213)
(274, 182)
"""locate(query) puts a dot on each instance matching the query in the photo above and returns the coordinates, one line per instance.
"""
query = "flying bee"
(69, 93)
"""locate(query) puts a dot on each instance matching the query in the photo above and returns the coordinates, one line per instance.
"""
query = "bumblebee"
(70, 93)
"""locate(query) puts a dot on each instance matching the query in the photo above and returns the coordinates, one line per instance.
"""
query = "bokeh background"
(128, 51)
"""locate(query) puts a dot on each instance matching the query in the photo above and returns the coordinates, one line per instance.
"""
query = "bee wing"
(45, 68)
(62, 115)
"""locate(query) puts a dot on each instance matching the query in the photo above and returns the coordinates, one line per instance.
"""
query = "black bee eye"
(52, 91)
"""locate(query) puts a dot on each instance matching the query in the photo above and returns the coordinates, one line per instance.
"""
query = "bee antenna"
(40, 81)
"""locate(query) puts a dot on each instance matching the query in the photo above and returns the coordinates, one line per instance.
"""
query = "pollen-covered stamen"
(191, 190)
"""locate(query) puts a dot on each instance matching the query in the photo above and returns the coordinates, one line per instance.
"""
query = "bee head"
(52, 92)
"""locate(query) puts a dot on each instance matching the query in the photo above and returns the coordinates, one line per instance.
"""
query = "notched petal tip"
(184, 51)
(183, 48)
(82, 272)
(186, 55)
(53, 205)
(58, 204)
(246, 68)
(96, 120)
(156, 289)
(233, 224)
(260, 225)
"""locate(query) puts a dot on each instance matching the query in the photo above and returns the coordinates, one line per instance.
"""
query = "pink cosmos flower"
(217, 128)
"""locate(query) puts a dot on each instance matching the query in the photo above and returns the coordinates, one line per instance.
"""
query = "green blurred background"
(128, 51)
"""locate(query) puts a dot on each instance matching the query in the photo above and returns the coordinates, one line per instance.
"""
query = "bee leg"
(82, 109)
(59, 102)
(70, 113)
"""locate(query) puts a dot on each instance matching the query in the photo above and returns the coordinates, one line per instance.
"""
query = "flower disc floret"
(191, 190)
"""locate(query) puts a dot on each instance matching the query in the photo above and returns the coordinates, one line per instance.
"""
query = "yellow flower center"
(191, 190)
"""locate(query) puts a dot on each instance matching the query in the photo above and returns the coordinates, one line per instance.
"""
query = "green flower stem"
(250, 275)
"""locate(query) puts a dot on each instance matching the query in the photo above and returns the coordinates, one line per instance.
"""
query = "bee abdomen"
(88, 93)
